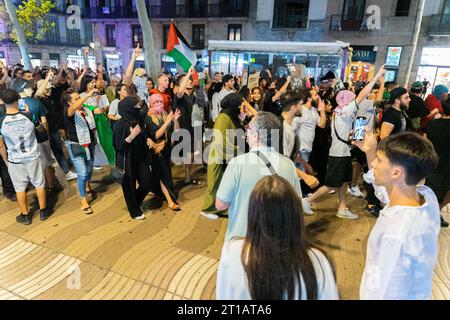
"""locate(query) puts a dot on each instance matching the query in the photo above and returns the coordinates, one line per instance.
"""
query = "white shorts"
(24, 173)
(45, 153)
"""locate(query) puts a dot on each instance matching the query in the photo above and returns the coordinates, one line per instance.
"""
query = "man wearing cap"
(228, 88)
(417, 107)
(394, 119)
(26, 91)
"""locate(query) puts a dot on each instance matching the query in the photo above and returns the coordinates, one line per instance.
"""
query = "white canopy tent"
(278, 46)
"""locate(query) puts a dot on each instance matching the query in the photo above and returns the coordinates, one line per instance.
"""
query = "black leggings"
(8, 188)
(136, 171)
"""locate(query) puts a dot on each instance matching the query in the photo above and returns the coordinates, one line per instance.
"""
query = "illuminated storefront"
(363, 63)
(239, 57)
(434, 67)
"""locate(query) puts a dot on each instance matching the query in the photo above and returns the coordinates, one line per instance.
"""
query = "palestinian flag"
(179, 49)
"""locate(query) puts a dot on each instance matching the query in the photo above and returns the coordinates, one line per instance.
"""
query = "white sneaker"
(98, 168)
(332, 191)
(346, 214)
(354, 191)
(71, 176)
(141, 217)
(307, 207)
(210, 216)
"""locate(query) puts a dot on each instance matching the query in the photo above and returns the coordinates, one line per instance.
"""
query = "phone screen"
(359, 128)
(21, 105)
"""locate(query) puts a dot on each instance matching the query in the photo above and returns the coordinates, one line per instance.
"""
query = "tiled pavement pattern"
(167, 256)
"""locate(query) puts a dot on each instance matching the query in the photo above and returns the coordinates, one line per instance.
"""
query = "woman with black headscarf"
(130, 143)
(230, 118)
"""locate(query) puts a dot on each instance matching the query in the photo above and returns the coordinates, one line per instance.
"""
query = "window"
(197, 8)
(137, 36)
(402, 9)
(88, 32)
(110, 35)
(73, 37)
(198, 36)
(53, 33)
(291, 14)
(165, 35)
(353, 15)
(235, 32)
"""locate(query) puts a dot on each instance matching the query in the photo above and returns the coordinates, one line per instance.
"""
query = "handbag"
(118, 173)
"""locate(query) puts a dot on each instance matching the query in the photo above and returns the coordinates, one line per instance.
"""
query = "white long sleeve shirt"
(402, 249)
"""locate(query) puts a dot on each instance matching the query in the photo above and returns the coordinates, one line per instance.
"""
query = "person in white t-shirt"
(402, 250)
(274, 260)
(309, 120)
(339, 170)
(113, 112)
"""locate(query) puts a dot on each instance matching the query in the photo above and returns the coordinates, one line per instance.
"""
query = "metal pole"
(417, 28)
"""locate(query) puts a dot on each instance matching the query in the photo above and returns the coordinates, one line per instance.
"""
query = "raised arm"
(184, 83)
(78, 81)
(282, 89)
(41, 89)
(128, 78)
(366, 91)
(78, 104)
(100, 83)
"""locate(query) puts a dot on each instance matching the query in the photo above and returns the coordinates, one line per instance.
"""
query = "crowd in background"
(83, 120)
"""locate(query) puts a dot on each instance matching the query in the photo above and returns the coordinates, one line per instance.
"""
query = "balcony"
(440, 25)
(343, 23)
(170, 11)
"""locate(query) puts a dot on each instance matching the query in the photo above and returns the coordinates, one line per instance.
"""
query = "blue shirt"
(240, 178)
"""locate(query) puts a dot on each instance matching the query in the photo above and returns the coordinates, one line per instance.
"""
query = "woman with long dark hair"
(101, 121)
(275, 261)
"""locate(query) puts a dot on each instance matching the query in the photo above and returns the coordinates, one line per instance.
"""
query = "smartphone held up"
(359, 128)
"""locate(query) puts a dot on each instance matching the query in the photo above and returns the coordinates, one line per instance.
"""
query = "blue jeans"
(56, 146)
(83, 168)
(305, 154)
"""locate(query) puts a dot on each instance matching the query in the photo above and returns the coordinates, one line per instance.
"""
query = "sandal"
(175, 208)
(86, 208)
(193, 182)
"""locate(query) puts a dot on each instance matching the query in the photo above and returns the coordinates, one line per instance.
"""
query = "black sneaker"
(374, 210)
(11, 197)
(45, 214)
(444, 224)
(24, 219)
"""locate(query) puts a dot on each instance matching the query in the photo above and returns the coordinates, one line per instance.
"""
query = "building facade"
(63, 43)
(379, 31)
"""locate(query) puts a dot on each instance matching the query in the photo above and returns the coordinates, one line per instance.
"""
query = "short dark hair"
(413, 152)
(244, 92)
(26, 71)
(10, 96)
(291, 98)
(307, 93)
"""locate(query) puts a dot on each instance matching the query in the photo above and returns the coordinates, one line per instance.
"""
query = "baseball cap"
(139, 72)
(417, 85)
(397, 93)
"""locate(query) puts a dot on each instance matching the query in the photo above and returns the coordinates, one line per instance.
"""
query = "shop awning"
(278, 46)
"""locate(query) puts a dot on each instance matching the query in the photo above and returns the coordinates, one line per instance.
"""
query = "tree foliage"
(33, 19)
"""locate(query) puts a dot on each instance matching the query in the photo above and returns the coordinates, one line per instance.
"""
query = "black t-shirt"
(185, 104)
(269, 105)
(396, 118)
(438, 132)
(70, 127)
(51, 114)
(57, 98)
(417, 108)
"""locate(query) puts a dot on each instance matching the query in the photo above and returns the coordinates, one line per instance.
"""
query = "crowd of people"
(274, 152)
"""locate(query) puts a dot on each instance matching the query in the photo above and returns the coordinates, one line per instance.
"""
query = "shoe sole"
(209, 216)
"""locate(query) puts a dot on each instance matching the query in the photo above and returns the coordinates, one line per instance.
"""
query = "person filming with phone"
(339, 171)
